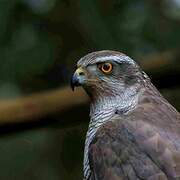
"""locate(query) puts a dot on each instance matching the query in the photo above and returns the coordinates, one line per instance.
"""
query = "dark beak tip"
(74, 82)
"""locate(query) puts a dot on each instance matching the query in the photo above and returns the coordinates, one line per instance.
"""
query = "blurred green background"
(40, 42)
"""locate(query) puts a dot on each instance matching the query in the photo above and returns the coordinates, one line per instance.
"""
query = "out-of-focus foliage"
(25, 50)
(133, 26)
(172, 9)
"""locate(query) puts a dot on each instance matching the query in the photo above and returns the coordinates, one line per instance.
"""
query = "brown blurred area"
(42, 122)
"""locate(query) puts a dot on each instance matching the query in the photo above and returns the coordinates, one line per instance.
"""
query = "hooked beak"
(77, 78)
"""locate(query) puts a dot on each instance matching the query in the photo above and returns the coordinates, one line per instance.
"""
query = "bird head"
(106, 73)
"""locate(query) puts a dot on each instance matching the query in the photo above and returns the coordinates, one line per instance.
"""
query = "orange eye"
(106, 68)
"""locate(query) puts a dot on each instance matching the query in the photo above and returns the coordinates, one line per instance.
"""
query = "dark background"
(40, 43)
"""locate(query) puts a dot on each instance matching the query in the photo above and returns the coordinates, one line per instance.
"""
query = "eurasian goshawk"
(134, 133)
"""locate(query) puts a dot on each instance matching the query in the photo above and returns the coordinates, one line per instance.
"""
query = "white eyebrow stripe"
(122, 58)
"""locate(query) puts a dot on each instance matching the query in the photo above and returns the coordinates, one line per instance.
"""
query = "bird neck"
(101, 111)
(104, 107)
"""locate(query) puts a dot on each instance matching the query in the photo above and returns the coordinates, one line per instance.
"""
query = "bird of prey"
(134, 132)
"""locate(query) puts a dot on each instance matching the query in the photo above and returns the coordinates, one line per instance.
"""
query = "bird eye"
(106, 67)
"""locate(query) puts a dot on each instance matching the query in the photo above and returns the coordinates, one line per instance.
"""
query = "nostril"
(80, 72)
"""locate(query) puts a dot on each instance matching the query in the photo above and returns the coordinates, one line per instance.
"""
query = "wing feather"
(137, 146)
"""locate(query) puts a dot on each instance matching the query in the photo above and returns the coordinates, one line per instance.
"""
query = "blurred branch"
(38, 105)
(161, 63)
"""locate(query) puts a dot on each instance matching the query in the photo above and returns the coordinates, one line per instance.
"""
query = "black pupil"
(106, 67)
